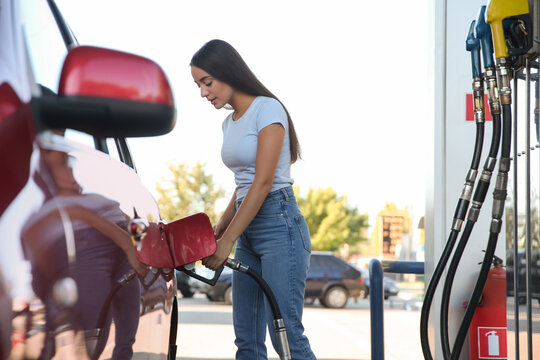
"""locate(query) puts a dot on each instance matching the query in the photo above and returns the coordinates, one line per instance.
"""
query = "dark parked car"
(222, 290)
(182, 284)
(188, 285)
(522, 275)
(67, 258)
(332, 280)
(390, 286)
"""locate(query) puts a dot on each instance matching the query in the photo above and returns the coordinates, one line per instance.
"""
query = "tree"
(332, 222)
(188, 190)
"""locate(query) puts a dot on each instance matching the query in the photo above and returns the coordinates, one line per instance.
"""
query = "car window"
(79, 137)
(326, 263)
(315, 263)
(45, 44)
(334, 264)
(47, 52)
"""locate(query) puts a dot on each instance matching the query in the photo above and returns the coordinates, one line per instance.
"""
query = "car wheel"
(336, 297)
(187, 293)
(363, 294)
(228, 296)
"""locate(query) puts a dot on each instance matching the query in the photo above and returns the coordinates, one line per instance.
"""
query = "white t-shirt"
(240, 138)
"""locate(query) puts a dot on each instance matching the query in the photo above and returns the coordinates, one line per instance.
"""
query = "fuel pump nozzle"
(483, 34)
(472, 44)
(499, 11)
(512, 12)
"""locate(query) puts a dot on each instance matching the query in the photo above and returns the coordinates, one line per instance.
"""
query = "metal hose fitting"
(490, 76)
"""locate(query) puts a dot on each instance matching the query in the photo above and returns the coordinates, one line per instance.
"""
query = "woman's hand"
(138, 266)
(219, 258)
(219, 229)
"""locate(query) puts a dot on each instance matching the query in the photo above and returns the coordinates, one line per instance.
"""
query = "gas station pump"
(473, 45)
(509, 22)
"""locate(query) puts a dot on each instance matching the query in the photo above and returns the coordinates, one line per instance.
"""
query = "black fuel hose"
(507, 131)
(478, 199)
(279, 324)
(459, 215)
(267, 292)
(499, 196)
(479, 143)
(430, 292)
(496, 136)
(448, 288)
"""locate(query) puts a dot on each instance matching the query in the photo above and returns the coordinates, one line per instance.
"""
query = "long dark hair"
(219, 59)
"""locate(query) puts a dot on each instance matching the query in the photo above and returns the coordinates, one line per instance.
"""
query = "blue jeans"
(276, 244)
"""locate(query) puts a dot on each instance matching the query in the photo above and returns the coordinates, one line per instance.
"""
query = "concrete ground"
(205, 330)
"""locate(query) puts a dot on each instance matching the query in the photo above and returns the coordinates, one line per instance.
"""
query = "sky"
(353, 74)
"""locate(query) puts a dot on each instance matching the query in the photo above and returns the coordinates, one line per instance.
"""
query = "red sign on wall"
(492, 343)
(469, 113)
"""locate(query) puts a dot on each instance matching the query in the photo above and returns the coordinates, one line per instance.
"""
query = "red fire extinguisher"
(487, 333)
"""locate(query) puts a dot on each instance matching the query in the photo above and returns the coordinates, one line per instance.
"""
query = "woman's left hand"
(219, 258)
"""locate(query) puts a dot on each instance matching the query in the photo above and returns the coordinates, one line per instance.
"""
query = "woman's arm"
(270, 142)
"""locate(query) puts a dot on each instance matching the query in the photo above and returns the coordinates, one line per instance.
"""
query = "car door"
(67, 259)
(317, 276)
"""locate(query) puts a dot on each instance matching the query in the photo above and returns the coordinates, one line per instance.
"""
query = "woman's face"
(215, 91)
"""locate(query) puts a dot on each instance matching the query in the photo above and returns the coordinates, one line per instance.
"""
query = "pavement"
(205, 330)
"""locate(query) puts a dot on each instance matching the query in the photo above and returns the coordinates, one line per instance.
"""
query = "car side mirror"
(108, 93)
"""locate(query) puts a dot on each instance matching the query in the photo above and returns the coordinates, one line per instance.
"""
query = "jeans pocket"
(304, 232)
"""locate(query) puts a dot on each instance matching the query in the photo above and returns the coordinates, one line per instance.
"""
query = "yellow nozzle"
(497, 11)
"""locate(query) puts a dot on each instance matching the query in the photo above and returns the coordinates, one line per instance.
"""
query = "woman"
(271, 235)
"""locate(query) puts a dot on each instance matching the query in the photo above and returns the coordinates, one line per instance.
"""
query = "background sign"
(392, 231)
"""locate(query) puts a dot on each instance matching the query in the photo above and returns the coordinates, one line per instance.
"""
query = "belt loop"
(285, 194)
